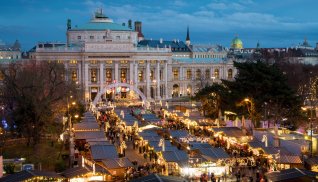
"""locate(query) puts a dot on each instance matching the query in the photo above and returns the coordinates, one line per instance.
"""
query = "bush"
(9, 168)
(60, 166)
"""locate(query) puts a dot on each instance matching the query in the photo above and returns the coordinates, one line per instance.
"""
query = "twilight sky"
(274, 23)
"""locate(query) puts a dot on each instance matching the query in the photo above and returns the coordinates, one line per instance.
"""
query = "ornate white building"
(108, 59)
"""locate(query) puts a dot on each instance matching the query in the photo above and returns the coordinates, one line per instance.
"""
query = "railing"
(153, 49)
(59, 49)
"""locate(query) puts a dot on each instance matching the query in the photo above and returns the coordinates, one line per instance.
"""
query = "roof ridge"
(300, 171)
(158, 178)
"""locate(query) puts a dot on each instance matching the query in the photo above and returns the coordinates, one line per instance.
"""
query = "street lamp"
(71, 140)
(251, 109)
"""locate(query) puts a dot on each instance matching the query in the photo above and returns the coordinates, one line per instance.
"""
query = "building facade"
(101, 53)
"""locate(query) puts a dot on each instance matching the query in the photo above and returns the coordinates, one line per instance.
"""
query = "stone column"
(136, 74)
(67, 71)
(158, 79)
(101, 75)
(167, 72)
(131, 72)
(86, 76)
(79, 71)
(148, 79)
(116, 72)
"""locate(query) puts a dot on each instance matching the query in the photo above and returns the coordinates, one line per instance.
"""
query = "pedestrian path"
(133, 155)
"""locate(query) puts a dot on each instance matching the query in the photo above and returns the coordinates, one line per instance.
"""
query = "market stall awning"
(230, 131)
(289, 159)
(213, 153)
(145, 133)
(115, 163)
(275, 150)
(86, 126)
(99, 143)
(159, 178)
(256, 144)
(101, 152)
(178, 133)
(74, 172)
(175, 156)
(152, 118)
(196, 145)
(83, 135)
(293, 174)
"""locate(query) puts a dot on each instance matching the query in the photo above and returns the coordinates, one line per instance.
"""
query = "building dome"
(237, 43)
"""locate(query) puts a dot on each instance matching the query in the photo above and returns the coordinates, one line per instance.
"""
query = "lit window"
(189, 74)
(74, 75)
(198, 74)
(216, 73)
(93, 75)
(140, 76)
(93, 61)
(123, 74)
(109, 61)
(108, 75)
(207, 74)
(73, 61)
(175, 74)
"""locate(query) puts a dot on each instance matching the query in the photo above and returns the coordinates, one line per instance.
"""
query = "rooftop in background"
(208, 48)
(6, 47)
(175, 45)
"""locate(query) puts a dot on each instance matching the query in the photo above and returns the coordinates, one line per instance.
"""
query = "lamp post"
(251, 109)
(71, 139)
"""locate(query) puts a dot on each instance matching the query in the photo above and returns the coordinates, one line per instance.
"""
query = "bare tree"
(33, 94)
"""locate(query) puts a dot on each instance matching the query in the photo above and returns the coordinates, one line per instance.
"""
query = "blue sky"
(274, 23)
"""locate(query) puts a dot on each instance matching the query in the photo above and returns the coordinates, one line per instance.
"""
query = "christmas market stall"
(118, 166)
(205, 159)
(27, 175)
(231, 138)
(173, 161)
(87, 173)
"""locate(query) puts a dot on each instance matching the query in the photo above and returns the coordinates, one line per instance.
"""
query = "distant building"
(10, 52)
(108, 60)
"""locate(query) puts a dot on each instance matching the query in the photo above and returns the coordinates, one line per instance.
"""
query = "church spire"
(188, 42)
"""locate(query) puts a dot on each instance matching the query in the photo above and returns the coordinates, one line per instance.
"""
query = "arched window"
(207, 74)
(108, 75)
(189, 74)
(175, 74)
(198, 74)
(93, 75)
(230, 74)
(175, 90)
(74, 75)
(141, 76)
(216, 73)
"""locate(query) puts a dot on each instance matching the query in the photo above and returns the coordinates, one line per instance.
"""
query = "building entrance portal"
(119, 91)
